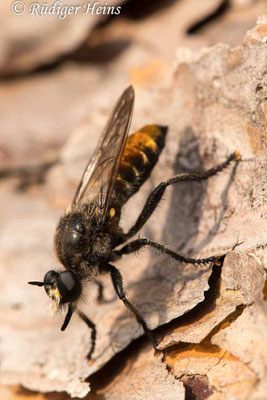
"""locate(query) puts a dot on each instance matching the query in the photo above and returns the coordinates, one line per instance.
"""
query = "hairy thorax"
(81, 243)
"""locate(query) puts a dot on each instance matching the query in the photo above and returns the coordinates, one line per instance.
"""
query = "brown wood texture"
(210, 321)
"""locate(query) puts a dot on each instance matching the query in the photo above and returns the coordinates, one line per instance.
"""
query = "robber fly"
(89, 233)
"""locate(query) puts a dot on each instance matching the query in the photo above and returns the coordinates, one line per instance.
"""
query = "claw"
(237, 155)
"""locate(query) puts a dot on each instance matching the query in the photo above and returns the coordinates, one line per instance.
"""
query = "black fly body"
(89, 233)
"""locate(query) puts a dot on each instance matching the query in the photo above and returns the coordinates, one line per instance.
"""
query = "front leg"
(117, 281)
(135, 245)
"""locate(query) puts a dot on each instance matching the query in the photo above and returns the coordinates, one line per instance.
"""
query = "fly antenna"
(36, 283)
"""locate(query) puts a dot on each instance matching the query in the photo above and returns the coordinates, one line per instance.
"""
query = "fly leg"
(135, 245)
(157, 193)
(92, 326)
(117, 281)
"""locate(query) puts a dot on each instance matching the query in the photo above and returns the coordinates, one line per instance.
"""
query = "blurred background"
(56, 73)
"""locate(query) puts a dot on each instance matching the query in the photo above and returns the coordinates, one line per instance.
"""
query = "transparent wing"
(100, 174)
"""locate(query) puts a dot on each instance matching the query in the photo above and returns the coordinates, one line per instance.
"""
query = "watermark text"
(62, 11)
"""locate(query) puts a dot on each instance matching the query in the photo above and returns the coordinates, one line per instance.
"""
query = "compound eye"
(50, 277)
(69, 286)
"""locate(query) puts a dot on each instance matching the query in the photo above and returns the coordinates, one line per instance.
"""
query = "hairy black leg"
(100, 297)
(135, 245)
(157, 192)
(92, 326)
(118, 286)
(70, 311)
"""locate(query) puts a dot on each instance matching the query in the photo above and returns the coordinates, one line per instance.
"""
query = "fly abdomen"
(141, 153)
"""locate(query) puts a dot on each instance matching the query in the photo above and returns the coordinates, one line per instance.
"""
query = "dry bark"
(212, 320)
